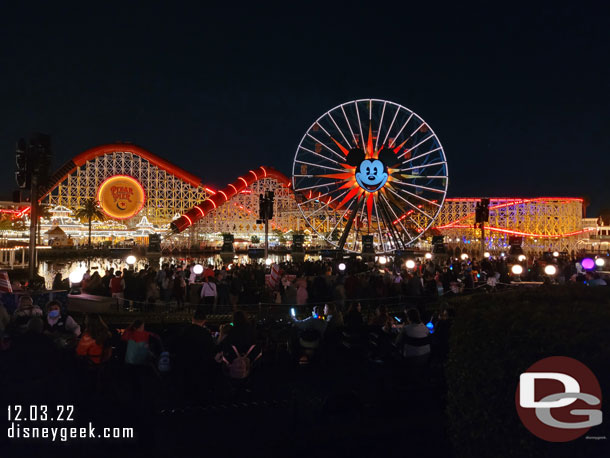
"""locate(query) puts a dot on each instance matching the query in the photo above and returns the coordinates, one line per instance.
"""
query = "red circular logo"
(559, 399)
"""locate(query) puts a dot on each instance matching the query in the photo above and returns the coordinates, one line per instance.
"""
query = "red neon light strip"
(226, 198)
(245, 182)
(255, 177)
(213, 203)
(211, 191)
(202, 214)
(512, 199)
(189, 219)
(264, 171)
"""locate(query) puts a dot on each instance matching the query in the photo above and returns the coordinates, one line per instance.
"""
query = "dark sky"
(519, 97)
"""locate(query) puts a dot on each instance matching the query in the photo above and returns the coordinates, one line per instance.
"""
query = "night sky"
(520, 98)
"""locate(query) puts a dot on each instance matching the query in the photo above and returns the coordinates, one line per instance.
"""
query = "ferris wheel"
(370, 168)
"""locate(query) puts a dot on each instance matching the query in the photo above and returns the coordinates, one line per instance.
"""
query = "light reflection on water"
(48, 269)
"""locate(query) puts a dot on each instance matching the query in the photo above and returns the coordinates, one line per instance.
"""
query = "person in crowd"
(141, 348)
(58, 322)
(194, 352)
(442, 331)
(381, 319)
(140, 344)
(208, 272)
(302, 294)
(5, 319)
(94, 285)
(314, 321)
(31, 356)
(334, 318)
(223, 332)
(153, 293)
(242, 335)
(353, 317)
(117, 287)
(25, 310)
(222, 288)
(412, 341)
(208, 292)
(593, 279)
(59, 283)
(94, 344)
(179, 287)
(308, 335)
(108, 275)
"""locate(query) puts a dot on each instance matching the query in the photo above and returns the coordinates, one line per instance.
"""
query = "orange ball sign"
(121, 196)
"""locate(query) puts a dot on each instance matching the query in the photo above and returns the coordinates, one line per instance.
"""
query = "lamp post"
(75, 277)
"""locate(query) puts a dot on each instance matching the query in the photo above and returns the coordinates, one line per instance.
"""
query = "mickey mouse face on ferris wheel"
(371, 175)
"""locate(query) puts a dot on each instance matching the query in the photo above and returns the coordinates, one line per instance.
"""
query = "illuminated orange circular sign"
(121, 196)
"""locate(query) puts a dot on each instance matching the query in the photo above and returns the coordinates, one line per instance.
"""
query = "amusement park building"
(544, 223)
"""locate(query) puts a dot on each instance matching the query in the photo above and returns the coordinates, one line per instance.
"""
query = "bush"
(497, 337)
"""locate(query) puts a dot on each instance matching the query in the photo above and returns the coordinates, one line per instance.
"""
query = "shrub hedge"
(496, 337)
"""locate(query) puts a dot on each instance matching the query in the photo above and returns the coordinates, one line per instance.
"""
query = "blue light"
(430, 327)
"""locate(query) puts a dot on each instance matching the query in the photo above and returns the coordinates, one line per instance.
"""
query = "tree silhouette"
(90, 211)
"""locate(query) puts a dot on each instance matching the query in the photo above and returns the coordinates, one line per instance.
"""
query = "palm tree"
(90, 211)
(43, 212)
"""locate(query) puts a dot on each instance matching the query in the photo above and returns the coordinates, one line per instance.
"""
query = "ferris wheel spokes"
(372, 184)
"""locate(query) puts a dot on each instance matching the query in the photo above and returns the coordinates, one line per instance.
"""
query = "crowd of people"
(318, 282)
(380, 313)
(200, 355)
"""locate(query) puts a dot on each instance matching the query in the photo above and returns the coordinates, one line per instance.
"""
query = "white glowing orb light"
(556, 254)
(197, 269)
(76, 276)
(464, 256)
(131, 260)
(268, 261)
(428, 255)
(521, 258)
(550, 269)
(341, 266)
(486, 254)
(410, 264)
(382, 260)
(230, 266)
(600, 262)
(516, 269)
(502, 254)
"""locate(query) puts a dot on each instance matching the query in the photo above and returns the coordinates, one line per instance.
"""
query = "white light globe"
(410, 264)
(382, 260)
(556, 254)
(600, 262)
(464, 256)
(197, 269)
(341, 266)
(521, 257)
(268, 261)
(550, 269)
(516, 269)
(502, 254)
(428, 255)
(486, 254)
(131, 260)
(76, 276)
